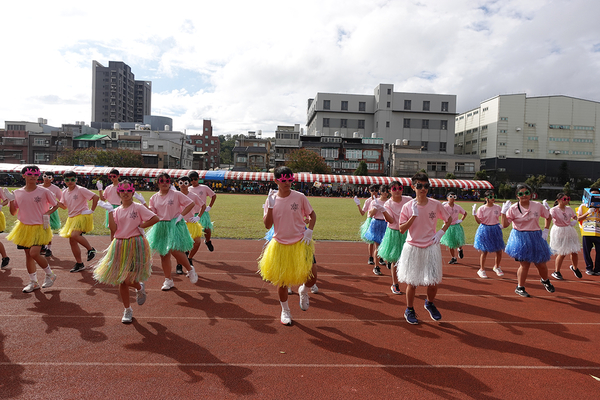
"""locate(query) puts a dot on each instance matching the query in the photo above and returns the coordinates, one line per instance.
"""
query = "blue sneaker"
(433, 311)
(411, 316)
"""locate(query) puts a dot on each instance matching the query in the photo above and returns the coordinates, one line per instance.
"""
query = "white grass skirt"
(420, 266)
(564, 240)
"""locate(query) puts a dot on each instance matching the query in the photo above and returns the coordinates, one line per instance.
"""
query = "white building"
(524, 136)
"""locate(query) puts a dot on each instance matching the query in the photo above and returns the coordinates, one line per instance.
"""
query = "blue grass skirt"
(125, 260)
(564, 240)
(420, 266)
(165, 236)
(286, 264)
(195, 229)
(390, 248)
(363, 230)
(269, 234)
(2, 222)
(528, 246)
(82, 222)
(54, 221)
(376, 230)
(106, 218)
(205, 221)
(454, 237)
(29, 235)
(488, 238)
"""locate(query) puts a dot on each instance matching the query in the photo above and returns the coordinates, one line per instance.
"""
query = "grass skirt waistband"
(390, 248)
(454, 237)
(564, 240)
(286, 264)
(82, 222)
(165, 236)
(364, 228)
(420, 266)
(528, 246)
(376, 230)
(29, 235)
(205, 221)
(488, 238)
(2, 222)
(55, 221)
(195, 229)
(125, 260)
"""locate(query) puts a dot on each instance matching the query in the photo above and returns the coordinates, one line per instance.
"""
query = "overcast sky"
(250, 65)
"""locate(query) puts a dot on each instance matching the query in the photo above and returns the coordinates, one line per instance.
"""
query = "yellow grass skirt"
(286, 264)
(82, 222)
(2, 222)
(125, 260)
(29, 235)
(195, 229)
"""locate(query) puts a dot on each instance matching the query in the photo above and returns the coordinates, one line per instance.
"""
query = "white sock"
(303, 289)
(49, 246)
(33, 277)
(47, 270)
(284, 305)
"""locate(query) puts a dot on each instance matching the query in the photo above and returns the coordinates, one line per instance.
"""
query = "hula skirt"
(364, 228)
(195, 229)
(528, 246)
(286, 264)
(54, 221)
(564, 240)
(125, 260)
(106, 218)
(166, 236)
(269, 234)
(205, 221)
(82, 222)
(29, 235)
(488, 238)
(420, 266)
(390, 248)
(376, 230)
(454, 237)
(2, 222)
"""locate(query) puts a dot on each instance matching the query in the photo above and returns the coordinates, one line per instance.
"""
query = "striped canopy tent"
(249, 176)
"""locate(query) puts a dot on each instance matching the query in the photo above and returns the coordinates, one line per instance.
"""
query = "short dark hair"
(373, 187)
(395, 183)
(69, 174)
(29, 168)
(193, 175)
(114, 172)
(163, 175)
(384, 188)
(184, 178)
(450, 194)
(49, 173)
(283, 170)
(523, 186)
(419, 176)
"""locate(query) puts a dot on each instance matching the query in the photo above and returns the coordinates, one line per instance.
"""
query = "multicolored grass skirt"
(2, 222)
(82, 223)
(195, 229)
(390, 248)
(286, 264)
(364, 228)
(166, 236)
(420, 266)
(376, 230)
(488, 238)
(106, 218)
(454, 237)
(29, 235)
(205, 221)
(55, 221)
(528, 246)
(125, 260)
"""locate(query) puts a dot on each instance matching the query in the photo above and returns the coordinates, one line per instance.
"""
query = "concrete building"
(117, 96)
(523, 136)
(287, 139)
(207, 148)
(251, 153)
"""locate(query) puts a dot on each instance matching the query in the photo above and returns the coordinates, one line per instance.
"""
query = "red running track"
(221, 338)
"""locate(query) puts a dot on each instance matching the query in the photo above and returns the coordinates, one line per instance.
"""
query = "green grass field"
(239, 216)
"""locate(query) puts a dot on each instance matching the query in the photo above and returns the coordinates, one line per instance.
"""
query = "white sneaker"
(168, 284)
(314, 289)
(481, 273)
(498, 271)
(192, 275)
(49, 281)
(127, 316)
(33, 285)
(290, 291)
(140, 295)
(304, 298)
(286, 317)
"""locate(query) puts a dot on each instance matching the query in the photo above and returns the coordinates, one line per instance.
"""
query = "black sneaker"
(91, 254)
(371, 261)
(452, 261)
(520, 290)
(48, 253)
(460, 253)
(576, 271)
(377, 271)
(389, 265)
(557, 275)
(433, 311)
(179, 269)
(547, 285)
(410, 316)
(78, 267)
(5, 261)
(210, 246)
(191, 262)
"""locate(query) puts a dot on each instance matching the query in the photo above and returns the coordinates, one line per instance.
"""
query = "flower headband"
(125, 187)
(32, 172)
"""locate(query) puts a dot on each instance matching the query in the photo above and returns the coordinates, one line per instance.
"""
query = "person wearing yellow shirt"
(589, 222)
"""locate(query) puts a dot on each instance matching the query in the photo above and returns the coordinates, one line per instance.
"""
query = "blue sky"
(253, 65)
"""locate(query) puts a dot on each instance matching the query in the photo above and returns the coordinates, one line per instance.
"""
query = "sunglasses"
(48, 176)
(126, 190)
(452, 196)
(164, 180)
(491, 196)
(194, 179)
(112, 176)
(70, 179)
(183, 183)
(525, 193)
(422, 186)
(396, 188)
(287, 178)
(29, 173)
(566, 198)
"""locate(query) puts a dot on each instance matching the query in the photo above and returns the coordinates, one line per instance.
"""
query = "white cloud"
(253, 65)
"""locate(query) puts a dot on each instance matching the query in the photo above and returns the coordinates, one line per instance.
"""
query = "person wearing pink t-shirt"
(289, 259)
(192, 220)
(203, 192)
(527, 242)
(564, 239)
(3, 202)
(170, 236)
(110, 194)
(421, 259)
(454, 238)
(378, 224)
(32, 205)
(374, 190)
(80, 218)
(54, 217)
(488, 237)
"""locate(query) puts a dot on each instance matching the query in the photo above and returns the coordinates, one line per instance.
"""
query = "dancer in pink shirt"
(488, 237)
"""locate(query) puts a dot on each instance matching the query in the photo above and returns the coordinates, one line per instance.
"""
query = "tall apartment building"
(287, 140)
(207, 148)
(117, 96)
(523, 136)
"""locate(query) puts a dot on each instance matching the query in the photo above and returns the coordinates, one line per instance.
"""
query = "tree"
(536, 182)
(450, 175)
(505, 191)
(567, 189)
(95, 156)
(481, 175)
(362, 169)
(303, 160)
(563, 172)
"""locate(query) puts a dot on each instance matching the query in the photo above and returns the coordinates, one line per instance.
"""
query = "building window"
(444, 125)
(444, 106)
(424, 145)
(242, 159)
(325, 122)
(502, 144)
(426, 105)
(407, 122)
(361, 124)
(502, 130)
(329, 153)
(370, 154)
(389, 91)
(437, 166)
(389, 104)
(362, 106)
(407, 104)
(387, 124)
(464, 167)
(343, 123)
(344, 105)
(425, 124)
(353, 154)
(442, 146)
(373, 166)
(326, 104)
(503, 118)
(530, 150)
